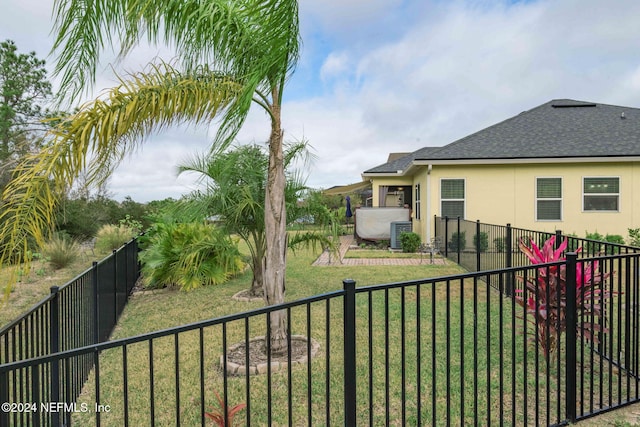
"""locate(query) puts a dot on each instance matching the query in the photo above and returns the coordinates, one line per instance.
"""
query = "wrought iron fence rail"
(458, 349)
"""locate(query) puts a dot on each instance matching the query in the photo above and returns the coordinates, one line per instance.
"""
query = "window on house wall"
(417, 202)
(452, 198)
(548, 199)
(601, 194)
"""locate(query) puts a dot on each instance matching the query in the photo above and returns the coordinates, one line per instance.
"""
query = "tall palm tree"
(244, 49)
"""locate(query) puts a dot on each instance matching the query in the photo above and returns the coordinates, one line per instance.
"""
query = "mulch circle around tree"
(258, 362)
(246, 296)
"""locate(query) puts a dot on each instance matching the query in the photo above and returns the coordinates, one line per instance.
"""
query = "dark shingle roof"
(404, 162)
(556, 129)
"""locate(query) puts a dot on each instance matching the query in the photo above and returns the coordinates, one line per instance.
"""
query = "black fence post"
(115, 288)
(478, 245)
(571, 339)
(628, 306)
(558, 241)
(4, 397)
(458, 242)
(96, 302)
(349, 286)
(508, 248)
(54, 325)
(446, 234)
(434, 237)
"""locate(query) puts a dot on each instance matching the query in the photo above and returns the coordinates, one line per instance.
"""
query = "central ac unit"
(398, 227)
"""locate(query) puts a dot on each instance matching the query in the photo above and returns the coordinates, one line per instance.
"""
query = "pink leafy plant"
(545, 295)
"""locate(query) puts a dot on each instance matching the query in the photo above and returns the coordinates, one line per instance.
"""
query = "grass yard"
(461, 349)
(451, 327)
(162, 309)
(33, 286)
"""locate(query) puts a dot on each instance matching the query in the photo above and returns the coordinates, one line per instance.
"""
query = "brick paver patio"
(326, 259)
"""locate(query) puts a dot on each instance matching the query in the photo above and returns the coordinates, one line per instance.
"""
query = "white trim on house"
(518, 161)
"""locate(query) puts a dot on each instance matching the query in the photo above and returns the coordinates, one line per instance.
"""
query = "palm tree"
(232, 54)
(235, 190)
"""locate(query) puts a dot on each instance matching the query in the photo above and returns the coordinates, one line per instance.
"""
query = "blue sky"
(381, 76)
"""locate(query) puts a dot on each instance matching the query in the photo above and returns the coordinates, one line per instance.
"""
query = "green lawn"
(462, 349)
(35, 284)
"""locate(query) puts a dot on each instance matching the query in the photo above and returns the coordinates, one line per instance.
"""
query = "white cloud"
(334, 65)
(390, 76)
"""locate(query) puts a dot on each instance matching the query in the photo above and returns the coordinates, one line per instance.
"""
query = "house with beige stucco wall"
(564, 165)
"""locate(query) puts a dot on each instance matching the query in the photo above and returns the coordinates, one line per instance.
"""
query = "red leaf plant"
(545, 296)
(217, 415)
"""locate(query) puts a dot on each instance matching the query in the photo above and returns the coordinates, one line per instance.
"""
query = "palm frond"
(256, 40)
(98, 136)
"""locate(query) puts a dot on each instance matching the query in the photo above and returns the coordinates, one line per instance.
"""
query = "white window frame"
(463, 200)
(584, 178)
(560, 199)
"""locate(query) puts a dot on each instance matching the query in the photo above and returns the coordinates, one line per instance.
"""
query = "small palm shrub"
(189, 255)
(110, 237)
(60, 251)
(500, 243)
(409, 241)
(545, 296)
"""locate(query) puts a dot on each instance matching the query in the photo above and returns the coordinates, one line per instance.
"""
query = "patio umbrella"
(349, 213)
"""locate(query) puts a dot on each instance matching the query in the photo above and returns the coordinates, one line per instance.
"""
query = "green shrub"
(60, 251)
(614, 238)
(409, 241)
(500, 243)
(572, 242)
(634, 236)
(188, 256)
(111, 237)
(593, 247)
(483, 245)
(458, 241)
(382, 244)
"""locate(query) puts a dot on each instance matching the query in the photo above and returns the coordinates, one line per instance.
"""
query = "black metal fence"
(481, 247)
(81, 313)
(437, 351)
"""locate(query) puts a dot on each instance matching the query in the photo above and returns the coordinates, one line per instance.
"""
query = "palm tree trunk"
(275, 233)
(258, 277)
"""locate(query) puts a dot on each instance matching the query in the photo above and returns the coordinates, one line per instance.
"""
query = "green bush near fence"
(482, 243)
(500, 244)
(409, 241)
(458, 241)
(634, 236)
